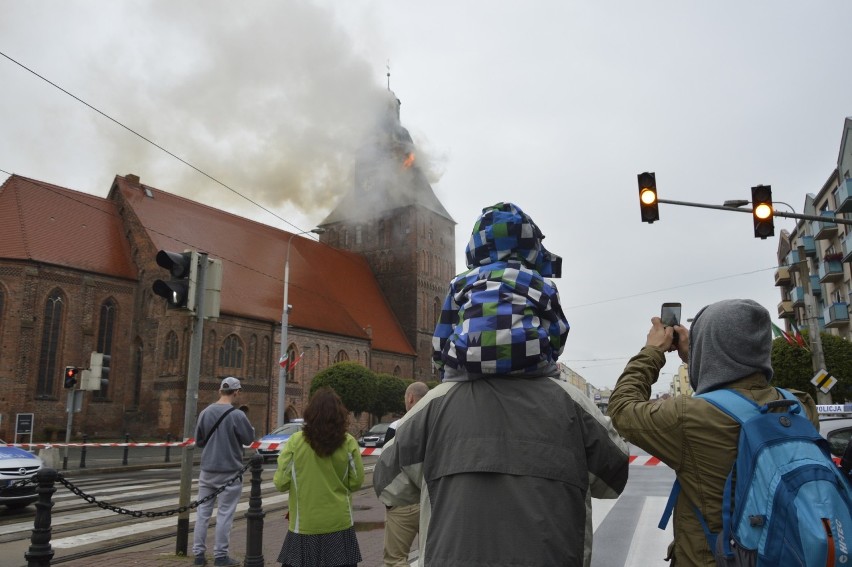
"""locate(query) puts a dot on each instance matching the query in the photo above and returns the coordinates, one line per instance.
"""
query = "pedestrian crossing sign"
(823, 380)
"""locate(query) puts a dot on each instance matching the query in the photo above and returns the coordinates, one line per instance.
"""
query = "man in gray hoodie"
(221, 432)
(728, 346)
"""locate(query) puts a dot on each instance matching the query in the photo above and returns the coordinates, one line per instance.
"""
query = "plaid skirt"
(320, 550)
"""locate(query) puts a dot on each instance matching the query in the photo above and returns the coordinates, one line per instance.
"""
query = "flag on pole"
(776, 330)
(282, 362)
(799, 338)
(295, 361)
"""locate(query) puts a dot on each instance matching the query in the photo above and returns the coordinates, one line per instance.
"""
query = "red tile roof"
(45, 223)
(330, 290)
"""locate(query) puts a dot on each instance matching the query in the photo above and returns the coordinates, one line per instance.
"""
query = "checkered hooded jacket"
(502, 316)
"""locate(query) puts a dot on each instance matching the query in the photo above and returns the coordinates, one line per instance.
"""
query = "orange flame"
(409, 160)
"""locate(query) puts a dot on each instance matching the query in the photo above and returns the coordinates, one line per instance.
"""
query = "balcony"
(816, 288)
(837, 315)
(797, 296)
(782, 276)
(809, 244)
(844, 197)
(785, 309)
(793, 260)
(827, 228)
(830, 271)
(847, 245)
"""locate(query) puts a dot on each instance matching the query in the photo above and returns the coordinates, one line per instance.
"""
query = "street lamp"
(282, 371)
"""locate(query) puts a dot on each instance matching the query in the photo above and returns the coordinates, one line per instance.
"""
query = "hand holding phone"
(670, 316)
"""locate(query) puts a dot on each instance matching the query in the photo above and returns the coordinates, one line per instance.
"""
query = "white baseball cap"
(230, 383)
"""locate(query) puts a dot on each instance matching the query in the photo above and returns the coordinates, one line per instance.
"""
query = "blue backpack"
(793, 505)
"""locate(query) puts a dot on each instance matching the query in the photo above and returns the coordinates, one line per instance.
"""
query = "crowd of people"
(498, 463)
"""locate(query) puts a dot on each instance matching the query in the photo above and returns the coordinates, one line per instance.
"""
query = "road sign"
(823, 380)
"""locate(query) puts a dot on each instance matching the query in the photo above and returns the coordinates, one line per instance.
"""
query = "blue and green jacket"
(502, 316)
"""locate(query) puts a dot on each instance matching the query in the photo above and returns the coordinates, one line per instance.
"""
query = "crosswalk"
(625, 529)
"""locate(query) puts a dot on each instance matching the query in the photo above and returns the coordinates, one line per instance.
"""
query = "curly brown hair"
(326, 421)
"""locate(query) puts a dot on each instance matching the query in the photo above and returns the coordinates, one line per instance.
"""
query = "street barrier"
(40, 552)
(365, 451)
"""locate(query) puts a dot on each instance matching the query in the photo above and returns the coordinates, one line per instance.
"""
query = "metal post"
(285, 312)
(126, 448)
(254, 517)
(168, 447)
(40, 552)
(83, 452)
(192, 377)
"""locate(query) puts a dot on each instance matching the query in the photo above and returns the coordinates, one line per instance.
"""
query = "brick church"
(76, 273)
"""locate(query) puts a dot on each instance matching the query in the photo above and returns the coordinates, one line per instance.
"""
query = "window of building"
(341, 356)
(359, 234)
(106, 332)
(48, 370)
(397, 371)
(137, 372)
(231, 354)
(171, 354)
(252, 357)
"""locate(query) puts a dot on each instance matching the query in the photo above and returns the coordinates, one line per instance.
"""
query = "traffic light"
(98, 375)
(71, 373)
(648, 197)
(762, 211)
(180, 290)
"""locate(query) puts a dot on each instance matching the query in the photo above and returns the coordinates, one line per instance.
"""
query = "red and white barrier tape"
(645, 460)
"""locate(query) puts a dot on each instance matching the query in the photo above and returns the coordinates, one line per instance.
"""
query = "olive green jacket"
(693, 437)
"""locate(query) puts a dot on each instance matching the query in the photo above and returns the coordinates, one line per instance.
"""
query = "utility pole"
(817, 356)
(192, 378)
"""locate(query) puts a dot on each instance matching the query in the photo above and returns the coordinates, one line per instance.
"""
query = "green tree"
(793, 366)
(355, 384)
(390, 395)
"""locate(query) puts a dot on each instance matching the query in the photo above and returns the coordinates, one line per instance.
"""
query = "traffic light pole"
(749, 211)
(192, 378)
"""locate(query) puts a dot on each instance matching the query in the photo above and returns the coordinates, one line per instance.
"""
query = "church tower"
(392, 216)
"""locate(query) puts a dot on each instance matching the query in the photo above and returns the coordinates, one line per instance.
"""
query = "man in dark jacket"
(728, 346)
(503, 456)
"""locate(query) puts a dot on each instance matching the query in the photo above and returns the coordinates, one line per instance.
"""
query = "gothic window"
(397, 371)
(341, 356)
(48, 372)
(171, 354)
(359, 234)
(209, 362)
(231, 354)
(137, 372)
(106, 332)
(436, 311)
(2, 308)
(264, 358)
(252, 357)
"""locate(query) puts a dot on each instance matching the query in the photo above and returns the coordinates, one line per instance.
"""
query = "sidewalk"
(369, 523)
(369, 517)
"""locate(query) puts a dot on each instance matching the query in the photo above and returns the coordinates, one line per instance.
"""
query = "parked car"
(271, 443)
(17, 464)
(837, 430)
(375, 437)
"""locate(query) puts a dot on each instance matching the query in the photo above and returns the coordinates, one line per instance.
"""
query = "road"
(626, 530)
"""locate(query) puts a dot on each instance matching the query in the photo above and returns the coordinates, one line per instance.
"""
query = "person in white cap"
(221, 432)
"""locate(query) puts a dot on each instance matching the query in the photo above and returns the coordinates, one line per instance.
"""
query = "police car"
(17, 464)
(271, 443)
(835, 424)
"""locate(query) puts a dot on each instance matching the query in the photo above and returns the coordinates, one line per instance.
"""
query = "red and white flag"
(295, 361)
(282, 362)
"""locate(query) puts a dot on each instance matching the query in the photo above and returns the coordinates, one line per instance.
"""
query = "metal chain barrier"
(136, 513)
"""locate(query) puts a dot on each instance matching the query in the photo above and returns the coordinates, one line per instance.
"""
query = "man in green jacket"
(728, 346)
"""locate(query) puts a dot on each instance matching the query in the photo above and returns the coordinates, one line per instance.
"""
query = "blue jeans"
(226, 501)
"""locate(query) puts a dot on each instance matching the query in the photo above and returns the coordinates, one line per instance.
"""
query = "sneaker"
(226, 562)
(200, 560)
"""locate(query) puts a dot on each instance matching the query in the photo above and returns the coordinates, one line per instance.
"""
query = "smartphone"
(670, 316)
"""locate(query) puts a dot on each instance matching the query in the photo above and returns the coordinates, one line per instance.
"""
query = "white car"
(837, 430)
(17, 464)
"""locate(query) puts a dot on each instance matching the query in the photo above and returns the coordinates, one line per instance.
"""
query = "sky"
(556, 105)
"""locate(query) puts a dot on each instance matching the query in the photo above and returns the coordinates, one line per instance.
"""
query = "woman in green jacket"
(321, 466)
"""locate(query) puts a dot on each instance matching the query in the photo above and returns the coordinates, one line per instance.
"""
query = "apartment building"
(814, 273)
